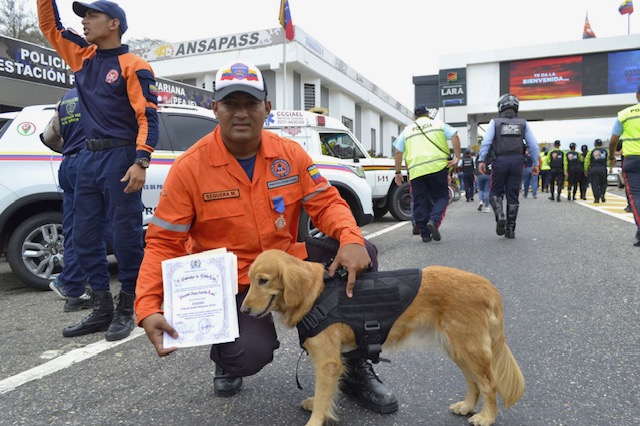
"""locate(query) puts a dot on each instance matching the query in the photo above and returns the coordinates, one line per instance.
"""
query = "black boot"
(552, 198)
(225, 385)
(122, 323)
(512, 214)
(498, 210)
(362, 382)
(558, 197)
(98, 320)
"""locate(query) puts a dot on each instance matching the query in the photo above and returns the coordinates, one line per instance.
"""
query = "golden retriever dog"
(458, 310)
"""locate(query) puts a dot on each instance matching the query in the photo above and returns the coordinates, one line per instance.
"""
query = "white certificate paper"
(200, 298)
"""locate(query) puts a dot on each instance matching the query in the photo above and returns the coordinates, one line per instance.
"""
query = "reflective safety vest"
(545, 161)
(426, 149)
(630, 120)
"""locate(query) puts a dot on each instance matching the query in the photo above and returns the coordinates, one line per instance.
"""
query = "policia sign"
(24, 61)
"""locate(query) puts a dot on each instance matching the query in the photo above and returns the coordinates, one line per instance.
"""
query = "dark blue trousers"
(631, 172)
(430, 199)
(102, 208)
(71, 276)
(506, 177)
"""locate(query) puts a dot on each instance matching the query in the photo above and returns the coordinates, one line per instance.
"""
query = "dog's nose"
(244, 310)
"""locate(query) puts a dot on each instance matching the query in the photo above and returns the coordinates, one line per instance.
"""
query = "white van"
(327, 136)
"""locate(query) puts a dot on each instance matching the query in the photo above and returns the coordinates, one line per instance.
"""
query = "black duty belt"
(102, 144)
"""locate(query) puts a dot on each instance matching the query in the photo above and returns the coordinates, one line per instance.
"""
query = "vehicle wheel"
(36, 249)
(306, 227)
(456, 191)
(378, 212)
(399, 202)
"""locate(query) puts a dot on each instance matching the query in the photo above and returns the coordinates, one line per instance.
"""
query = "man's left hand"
(136, 176)
(535, 170)
(355, 259)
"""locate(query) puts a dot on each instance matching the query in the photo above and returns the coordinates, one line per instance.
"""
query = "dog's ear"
(295, 280)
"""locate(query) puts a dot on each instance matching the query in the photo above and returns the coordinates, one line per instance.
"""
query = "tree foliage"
(143, 43)
(18, 21)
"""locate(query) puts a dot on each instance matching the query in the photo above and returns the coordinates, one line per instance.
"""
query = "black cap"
(111, 9)
(556, 143)
(420, 110)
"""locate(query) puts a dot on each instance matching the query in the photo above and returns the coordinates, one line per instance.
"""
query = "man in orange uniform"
(243, 188)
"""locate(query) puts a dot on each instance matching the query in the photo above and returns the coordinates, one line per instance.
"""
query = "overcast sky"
(389, 42)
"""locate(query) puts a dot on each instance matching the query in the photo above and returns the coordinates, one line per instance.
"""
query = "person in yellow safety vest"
(423, 145)
(627, 129)
(545, 170)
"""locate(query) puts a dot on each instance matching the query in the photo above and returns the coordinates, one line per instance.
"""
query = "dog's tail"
(509, 378)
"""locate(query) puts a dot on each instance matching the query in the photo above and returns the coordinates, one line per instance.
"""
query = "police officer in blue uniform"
(70, 283)
(505, 138)
(574, 170)
(556, 162)
(596, 166)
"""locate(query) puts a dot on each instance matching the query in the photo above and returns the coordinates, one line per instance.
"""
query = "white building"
(591, 78)
(301, 74)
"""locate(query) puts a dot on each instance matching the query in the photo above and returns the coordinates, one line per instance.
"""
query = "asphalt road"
(569, 283)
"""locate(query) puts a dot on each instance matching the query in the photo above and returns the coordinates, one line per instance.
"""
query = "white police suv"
(30, 197)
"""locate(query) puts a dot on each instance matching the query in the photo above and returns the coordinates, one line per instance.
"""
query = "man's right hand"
(154, 325)
(482, 168)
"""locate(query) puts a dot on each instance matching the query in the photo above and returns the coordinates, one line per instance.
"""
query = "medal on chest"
(278, 206)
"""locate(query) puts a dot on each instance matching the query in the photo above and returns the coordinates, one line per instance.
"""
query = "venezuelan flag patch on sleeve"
(315, 174)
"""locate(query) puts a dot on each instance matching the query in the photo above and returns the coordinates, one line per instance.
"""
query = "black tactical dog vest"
(378, 300)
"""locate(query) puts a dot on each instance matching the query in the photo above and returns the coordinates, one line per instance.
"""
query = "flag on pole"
(626, 7)
(587, 32)
(285, 19)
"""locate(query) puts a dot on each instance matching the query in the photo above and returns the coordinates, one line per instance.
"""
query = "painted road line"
(72, 357)
(614, 206)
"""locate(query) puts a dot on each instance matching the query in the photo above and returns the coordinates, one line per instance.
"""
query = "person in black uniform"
(584, 180)
(574, 170)
(505, 138)
(596, 167)
(468, 174)
(556, 161)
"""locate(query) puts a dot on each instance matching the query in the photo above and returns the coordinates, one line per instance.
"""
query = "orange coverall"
(209, 202)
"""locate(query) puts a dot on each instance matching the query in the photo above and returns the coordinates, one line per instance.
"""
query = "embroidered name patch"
(221, 195)
(510, 129)
(283, 182)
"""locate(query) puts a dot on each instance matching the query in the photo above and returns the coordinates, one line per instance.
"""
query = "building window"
(347, 122)
(373, 141)
(309, 96)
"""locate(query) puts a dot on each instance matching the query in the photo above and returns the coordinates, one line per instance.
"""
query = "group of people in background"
(578, 168)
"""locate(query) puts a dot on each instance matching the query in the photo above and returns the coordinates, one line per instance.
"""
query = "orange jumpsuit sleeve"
(70, 45)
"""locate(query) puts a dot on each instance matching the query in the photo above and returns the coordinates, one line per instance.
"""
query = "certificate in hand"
(200, 298)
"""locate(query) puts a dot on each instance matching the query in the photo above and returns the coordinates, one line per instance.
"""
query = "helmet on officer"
(508, 101)
(572, 145)
(598, 142)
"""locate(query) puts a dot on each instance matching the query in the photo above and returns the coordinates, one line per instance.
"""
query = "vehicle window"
(164, 142)
(185, 130)
(4, 125)
(340, 145)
